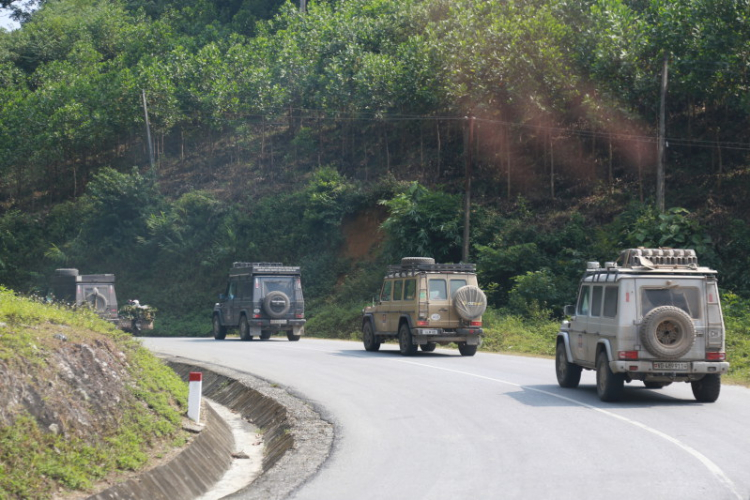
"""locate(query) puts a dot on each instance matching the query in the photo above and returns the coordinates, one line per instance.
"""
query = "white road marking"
(712, 467)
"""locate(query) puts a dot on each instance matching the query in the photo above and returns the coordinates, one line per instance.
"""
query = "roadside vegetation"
(44, 446)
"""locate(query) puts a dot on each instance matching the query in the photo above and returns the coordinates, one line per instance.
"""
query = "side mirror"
(570, 310)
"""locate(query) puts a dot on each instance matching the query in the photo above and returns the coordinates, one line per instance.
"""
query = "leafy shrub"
(424, 223)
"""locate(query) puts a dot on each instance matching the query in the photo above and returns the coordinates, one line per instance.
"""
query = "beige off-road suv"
(423, 304)
(654, 315)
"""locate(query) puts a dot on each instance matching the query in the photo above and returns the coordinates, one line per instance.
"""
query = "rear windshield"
(276, 284)
(687, 299)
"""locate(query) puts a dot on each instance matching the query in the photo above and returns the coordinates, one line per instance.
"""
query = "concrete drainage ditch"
(297, 441)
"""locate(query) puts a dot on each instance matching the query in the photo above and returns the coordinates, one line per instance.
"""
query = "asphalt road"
(443, 426)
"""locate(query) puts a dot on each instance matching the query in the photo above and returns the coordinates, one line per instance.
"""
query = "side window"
(584, 301)
(610, 301)
(455, 285)
(231, 289)
(596, 301)
(438, 290)
(385, 293)
(397, 289)
(410, 289)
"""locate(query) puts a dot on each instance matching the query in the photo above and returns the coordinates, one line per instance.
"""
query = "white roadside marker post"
(194, 396)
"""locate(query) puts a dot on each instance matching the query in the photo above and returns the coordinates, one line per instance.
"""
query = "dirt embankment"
(75, 388)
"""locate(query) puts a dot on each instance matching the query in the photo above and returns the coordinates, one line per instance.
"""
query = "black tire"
(609, 385)
(276, 304)
(707, 389)
(667, 332)
(405, 343)
(466, 349)
(265, 335)
(368, 338)
(470, 302)
(220, 332)
(656, 385)
(245, 329)
(415, 261)
(292, 337)
(568, 374)
(428, 347)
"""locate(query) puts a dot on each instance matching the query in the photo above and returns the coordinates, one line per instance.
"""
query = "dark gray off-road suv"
(261, 298)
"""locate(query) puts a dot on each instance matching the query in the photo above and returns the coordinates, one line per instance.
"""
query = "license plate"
(278, 322)
(671, 366)
(428, 331)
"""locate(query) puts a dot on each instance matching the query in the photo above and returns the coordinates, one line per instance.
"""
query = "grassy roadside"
(50, 351)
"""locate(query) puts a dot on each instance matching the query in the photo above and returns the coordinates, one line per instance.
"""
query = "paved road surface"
(442, 426)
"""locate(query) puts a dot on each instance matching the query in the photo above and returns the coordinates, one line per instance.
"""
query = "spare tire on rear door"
(276, 304)
(667, 332)
(470, 302)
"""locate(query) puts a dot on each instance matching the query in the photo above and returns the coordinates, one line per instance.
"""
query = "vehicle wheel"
(656, 385)
(245, 329)
(265, 335)
(276, 304)
(466, 349)
(609, 385)
(707, 389)
(368, 338)
(428, 347)
(568, 374)
(220, 332)
(405, 343)
(292, 337)
(667, 332)
(470, 302)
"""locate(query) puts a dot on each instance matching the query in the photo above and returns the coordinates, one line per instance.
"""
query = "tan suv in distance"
(423, 304)
(654, 316)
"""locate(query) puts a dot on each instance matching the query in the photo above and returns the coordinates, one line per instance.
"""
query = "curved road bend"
(442, 426)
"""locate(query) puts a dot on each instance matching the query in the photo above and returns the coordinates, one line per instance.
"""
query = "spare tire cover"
(470, 302)
(276, 304)
(667, 332)
(97, 301)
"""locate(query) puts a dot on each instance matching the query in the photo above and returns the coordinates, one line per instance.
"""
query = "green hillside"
(340, 139)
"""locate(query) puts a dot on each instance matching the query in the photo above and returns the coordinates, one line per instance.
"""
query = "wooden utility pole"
(467, 193)
(148, 132)
(662, 137)
(303, 5)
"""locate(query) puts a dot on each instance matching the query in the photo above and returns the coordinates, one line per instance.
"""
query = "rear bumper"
(684, 368)
(278, 324)
(472, 336)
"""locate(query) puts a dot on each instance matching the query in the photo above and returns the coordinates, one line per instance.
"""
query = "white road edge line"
(712, 467)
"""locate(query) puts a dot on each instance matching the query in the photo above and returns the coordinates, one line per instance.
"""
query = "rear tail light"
(256, 316)
(629, 355)
(475, 323)
(299, 315)
(716, 356)
(423, 323)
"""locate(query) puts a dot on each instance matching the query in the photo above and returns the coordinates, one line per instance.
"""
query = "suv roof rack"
(242, 268)
(431, 268)
(655, 258)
